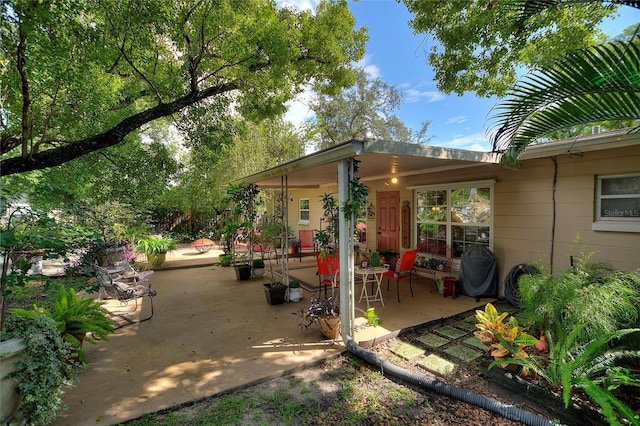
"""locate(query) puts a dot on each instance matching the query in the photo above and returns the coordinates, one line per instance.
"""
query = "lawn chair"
(402, 271)
(128, 274)
(125, 293)
(305, 237)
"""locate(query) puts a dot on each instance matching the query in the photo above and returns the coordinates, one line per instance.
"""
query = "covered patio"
(366, 160)
(212, 333)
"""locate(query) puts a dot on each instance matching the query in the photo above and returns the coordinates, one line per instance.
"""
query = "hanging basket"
(329, 327)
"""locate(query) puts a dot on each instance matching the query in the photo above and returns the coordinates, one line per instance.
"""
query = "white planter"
(10, 353)
(295, 294)
(258, 272)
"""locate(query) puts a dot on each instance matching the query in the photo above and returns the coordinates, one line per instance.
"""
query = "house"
(574, 196)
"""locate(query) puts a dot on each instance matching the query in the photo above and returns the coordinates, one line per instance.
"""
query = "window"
(617, 203)
(303, 211)
(454, 216)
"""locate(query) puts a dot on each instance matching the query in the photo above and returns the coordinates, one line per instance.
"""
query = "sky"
(397, 57)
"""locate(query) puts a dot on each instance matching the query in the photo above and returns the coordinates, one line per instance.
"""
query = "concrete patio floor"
(212, 333)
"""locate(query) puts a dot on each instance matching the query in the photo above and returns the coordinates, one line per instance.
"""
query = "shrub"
(50, 364)
(590, 294)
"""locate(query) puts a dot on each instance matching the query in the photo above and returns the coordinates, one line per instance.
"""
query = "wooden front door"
(388, 218)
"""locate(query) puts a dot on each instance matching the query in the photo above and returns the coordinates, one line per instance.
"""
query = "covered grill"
(478, 272)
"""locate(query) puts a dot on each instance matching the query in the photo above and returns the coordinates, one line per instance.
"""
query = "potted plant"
(295, 291)
(274, 291)
(156, 248)
(323, 312)
(78, 319)
(374, 260)
(258, 268)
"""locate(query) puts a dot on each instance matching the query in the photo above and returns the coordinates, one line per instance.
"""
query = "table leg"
(379, 292)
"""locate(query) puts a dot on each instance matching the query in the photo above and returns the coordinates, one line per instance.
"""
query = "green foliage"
(374, 259)
(372, 318)
(588, 313)
(155, 245)
(589, 294)
(569, 92)
(480, 46)
(591, 367)
(103, 78)
(77, 319)
(48, 367)
(363, 111)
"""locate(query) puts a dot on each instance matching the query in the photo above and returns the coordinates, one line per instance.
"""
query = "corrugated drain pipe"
(508, 411)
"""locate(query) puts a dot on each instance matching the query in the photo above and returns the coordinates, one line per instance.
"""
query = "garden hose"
(511, 281)
(507, 411)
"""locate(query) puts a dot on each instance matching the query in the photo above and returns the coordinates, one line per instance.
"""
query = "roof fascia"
(594, 142)
(428, 151)
(330, 155)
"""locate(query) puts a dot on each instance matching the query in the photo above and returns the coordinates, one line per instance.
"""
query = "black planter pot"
(243, 272)
(274, 295)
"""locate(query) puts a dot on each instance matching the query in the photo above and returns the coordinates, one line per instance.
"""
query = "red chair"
(265, 251)
(305, 238)
(403, 270)
(328, 271)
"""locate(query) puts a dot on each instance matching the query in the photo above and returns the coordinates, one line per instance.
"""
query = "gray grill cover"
(478, 272)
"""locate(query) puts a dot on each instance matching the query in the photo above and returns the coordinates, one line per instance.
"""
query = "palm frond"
(594, 84)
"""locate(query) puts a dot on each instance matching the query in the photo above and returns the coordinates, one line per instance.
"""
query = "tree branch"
(113, 136)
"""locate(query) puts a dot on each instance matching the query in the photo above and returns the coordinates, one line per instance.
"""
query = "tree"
(481, 44)
(364, 111)
(598, 83)
(254, 147)
(80, 76)
(585, 86)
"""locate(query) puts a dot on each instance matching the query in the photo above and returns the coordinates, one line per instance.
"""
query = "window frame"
(302, 221)
(613, 224)
(448, 223)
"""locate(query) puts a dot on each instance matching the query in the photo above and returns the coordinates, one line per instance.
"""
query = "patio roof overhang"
(378, 160)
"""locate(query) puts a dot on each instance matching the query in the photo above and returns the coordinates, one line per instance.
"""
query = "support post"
(347, 299)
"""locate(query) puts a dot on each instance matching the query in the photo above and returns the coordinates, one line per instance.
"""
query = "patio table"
(374, 276)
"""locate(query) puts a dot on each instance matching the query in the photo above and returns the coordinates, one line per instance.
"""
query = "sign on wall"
(405, 218)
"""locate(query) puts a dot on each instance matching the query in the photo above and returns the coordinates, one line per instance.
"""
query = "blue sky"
(396, 56)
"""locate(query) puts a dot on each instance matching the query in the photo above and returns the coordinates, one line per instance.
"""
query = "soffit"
(378, 160)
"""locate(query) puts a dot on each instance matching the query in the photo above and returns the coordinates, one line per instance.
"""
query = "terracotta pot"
(542, 345)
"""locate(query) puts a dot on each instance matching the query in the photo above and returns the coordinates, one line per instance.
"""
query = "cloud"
(415, 95)
(298, 110)
(373, 71)
(473, 142)
(457, 120)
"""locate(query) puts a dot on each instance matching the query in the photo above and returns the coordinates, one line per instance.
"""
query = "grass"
(359, 395)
